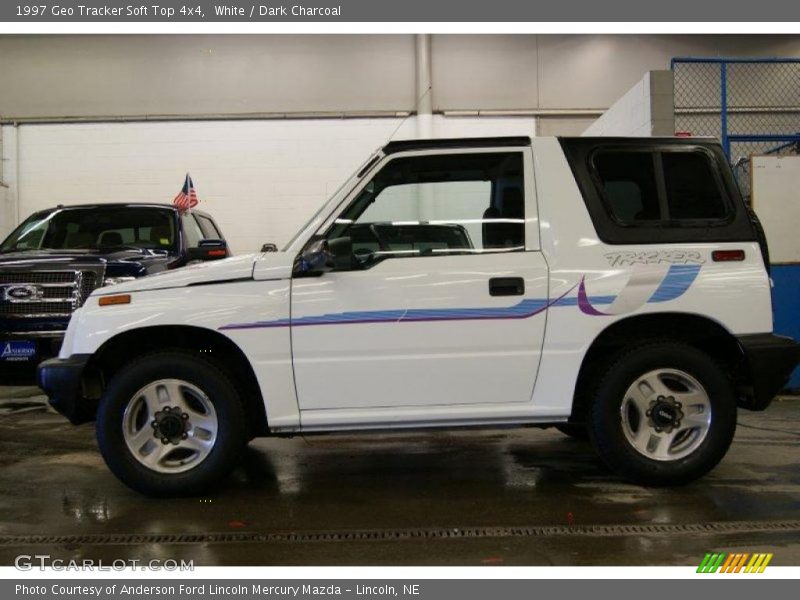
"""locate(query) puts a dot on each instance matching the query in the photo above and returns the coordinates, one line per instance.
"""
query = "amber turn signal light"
(113, 300)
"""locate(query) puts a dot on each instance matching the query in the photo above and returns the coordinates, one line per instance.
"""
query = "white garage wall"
(112, 75)
(647, 109)
(69, 76)
(260, 179)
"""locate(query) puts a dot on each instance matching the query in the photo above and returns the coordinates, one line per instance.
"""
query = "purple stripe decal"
(502, 313)
(678, 279)
(584, 304)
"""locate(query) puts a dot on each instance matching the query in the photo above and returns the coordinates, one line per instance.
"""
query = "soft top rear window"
(643, 185)
(642, 191)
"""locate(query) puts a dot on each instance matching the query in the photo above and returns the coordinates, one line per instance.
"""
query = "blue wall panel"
(786, 306)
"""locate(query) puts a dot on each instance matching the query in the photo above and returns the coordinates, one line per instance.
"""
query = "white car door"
(446, 304)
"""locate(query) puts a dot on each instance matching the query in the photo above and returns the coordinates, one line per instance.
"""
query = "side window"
(628, 184)
(652, 187)
(210, 230)
(439, 204)
(693, 191)
(191, 231)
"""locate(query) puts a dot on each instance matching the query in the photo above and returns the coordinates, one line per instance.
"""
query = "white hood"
(270, 265)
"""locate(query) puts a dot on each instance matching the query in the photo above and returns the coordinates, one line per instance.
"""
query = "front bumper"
(61, 379)
(770, 359)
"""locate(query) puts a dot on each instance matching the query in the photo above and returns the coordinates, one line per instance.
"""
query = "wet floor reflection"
(53, 481)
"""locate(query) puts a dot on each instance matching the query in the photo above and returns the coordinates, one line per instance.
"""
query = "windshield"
(94, 228)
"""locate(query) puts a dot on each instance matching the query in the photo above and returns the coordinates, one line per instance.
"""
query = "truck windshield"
(95, 228)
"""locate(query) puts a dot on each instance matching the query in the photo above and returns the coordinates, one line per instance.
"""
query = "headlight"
(116, 280)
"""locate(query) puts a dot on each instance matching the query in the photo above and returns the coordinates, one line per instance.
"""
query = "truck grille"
(44, 293)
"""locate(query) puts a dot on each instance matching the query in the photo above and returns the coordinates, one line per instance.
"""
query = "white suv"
(613, 288)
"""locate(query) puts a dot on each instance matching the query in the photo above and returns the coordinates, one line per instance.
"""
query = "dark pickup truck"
(52, 262)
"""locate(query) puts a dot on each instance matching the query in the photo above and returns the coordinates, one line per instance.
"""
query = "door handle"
(506, 286)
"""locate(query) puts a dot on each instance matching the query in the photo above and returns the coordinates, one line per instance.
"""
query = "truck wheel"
(171, 424)
(662, 414)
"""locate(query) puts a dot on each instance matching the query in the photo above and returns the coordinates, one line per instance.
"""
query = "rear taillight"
(727, 255)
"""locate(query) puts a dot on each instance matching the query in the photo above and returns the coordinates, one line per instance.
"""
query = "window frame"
(662, 190)
(531, 223)
(185, 235)
(208, 226)
(736, 228)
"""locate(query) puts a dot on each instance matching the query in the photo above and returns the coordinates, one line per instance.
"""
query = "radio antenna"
(413, 113)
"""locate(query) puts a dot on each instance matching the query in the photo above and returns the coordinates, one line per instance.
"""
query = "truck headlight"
(116, 280)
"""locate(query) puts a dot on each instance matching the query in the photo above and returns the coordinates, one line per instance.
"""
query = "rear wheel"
(663, 414)
(171, 424)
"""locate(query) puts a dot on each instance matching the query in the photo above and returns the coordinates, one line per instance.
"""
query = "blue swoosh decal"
(675, 283)
(677, 280)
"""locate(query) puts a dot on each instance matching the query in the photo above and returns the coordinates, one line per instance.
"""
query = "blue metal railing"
(726, 136)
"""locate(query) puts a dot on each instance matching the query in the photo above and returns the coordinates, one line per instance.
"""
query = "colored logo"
(742, 562)
(17, 350)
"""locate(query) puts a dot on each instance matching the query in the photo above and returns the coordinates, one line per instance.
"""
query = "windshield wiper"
(136, 248)
(122, 247)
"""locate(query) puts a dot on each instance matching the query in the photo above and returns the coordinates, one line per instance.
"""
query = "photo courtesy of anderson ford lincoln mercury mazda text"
(615, 288)
(52, 262)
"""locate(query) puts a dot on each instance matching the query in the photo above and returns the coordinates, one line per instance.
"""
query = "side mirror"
(323, 255)
(208, 250)
(269, 247)
(340, 253)
(314, 258)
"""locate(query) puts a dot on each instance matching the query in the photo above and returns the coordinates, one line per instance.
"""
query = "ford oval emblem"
(23, 293)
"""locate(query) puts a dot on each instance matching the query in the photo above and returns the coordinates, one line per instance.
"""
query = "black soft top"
(449, 143)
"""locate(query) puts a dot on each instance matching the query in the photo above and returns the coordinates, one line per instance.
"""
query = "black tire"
(573, 430)
(605, 422)
(231, 432)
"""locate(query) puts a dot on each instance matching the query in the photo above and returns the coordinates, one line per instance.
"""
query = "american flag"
(187, 197)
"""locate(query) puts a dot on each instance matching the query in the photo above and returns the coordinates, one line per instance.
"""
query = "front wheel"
(170, 424)
(663, 414)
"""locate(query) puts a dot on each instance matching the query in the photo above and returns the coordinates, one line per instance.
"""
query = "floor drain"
(431, 533)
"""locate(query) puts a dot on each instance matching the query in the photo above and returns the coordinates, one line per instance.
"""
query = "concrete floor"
(532, 497)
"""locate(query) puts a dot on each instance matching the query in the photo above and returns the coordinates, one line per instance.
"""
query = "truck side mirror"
(314, 258)
(340, 253)
(324, 255)
(268, 247)
(209, 249)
